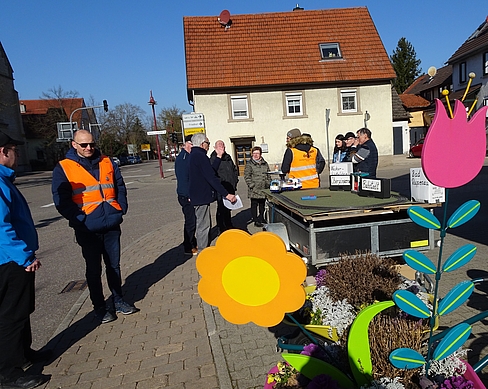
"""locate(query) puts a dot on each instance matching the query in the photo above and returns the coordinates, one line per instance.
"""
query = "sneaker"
(258, 224)
(105, 316)
(25, 381)
(125, 308)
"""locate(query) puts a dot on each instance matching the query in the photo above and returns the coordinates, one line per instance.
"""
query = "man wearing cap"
(18, 264)
(366, 158)
(182, 171)
(302, 160)
(351, 145)
(90, 192)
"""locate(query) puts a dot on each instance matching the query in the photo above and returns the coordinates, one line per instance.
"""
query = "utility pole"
(152, 103)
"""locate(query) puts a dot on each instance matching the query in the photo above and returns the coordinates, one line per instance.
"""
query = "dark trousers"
(95, 247)
(16, 304)
(255, 204)
(223, 216)
(189, 240)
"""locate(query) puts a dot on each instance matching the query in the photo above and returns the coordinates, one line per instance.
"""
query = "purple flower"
(323, 381)
(457, 382)
(313, 350)
(320, 277)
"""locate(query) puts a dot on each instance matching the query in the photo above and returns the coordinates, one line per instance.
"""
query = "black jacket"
(227, 172)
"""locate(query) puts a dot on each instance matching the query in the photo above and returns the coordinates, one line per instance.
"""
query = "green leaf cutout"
(454, 339)
(456, 296)
(411, 304)
(311, 367)
(406, 358)
(464, 213)
(418, 261)
(423, 218)
(460, 257)
(358, 343)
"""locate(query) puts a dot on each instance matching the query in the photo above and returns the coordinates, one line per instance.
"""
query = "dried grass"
(362, 279)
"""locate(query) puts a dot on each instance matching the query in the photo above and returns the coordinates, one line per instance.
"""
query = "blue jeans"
(96, 246)
(189, 240)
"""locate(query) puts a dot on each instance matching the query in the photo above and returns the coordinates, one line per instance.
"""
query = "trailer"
(321, 225)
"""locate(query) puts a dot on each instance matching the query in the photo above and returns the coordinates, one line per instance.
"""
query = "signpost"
(193, 123)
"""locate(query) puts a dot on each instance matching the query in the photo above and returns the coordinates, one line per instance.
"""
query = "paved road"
(151, 205)
(176, 341)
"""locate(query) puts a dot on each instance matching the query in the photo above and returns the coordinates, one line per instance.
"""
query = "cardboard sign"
(375, 187)
(422, 190)
(340, 168)
(340, 182)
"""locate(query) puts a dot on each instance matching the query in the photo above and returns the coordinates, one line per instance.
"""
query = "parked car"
(133, 159)
(123, 160)
(116, 160)
(416, 149)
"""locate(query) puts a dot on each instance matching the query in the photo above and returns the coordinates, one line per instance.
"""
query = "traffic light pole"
(152, 103)
(104, 106)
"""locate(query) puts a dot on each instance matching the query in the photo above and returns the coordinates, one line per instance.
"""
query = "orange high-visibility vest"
(303, 166)
(88, 193)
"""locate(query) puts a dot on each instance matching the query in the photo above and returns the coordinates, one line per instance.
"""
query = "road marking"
(142, 175)
(47, 205)
(130, 182)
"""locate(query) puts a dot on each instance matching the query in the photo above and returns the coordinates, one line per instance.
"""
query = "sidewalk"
(178, 341)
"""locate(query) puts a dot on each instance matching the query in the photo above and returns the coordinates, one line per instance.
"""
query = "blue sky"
(120, 50)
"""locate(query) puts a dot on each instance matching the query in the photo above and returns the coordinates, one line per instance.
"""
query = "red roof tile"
(410, 101)
(40, 107)
(283, 48)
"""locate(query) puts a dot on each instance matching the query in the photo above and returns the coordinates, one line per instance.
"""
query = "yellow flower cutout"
(251, 278)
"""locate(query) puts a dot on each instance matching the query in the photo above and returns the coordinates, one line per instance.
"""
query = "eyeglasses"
(85, 145)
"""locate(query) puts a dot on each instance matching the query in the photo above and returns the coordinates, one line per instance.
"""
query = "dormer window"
(330, 50)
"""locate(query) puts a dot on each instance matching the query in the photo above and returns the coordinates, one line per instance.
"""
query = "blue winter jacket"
(204, 182)
(18, 235)
(105, 217)
(182, 173)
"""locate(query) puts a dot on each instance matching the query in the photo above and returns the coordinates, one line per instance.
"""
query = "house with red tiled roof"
(471, 58)
(10, 121)
(256, 76)
(41, 121)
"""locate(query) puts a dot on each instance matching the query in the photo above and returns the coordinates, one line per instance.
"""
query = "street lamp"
(152, 103)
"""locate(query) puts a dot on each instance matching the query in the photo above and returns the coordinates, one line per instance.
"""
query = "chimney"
(298, 8)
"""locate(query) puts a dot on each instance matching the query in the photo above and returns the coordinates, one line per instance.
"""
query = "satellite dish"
(224, 18)
(432, 71)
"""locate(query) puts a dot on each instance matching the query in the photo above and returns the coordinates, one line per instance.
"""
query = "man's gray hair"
(198, 139)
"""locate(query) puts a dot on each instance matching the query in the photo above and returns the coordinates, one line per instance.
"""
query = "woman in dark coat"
(256, 177)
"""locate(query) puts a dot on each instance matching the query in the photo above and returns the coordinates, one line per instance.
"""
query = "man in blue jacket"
(18, 263)
(366, 157)
(204, 186)
(90, 192)
(182, 171)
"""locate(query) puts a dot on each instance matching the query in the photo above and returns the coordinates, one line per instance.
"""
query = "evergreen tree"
(406, 65)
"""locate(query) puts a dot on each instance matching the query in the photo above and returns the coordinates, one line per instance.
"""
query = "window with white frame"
(485, 64)
(294, 104)
(349, 101)
(462, 72)
(330, 50)
(239, 107)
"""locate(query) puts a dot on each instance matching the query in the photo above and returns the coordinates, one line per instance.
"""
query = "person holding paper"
(204, 185)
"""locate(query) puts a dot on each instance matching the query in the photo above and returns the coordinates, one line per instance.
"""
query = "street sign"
(159, 132)
(193, 121)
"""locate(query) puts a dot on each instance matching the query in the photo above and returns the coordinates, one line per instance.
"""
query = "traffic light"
(105, 105)
(174, 137)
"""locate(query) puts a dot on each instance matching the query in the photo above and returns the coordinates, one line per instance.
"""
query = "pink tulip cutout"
(454, 149)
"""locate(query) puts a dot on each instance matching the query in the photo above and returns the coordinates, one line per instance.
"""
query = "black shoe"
(36, 356)
(258, 224)
(24, 382)
(105, 316)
